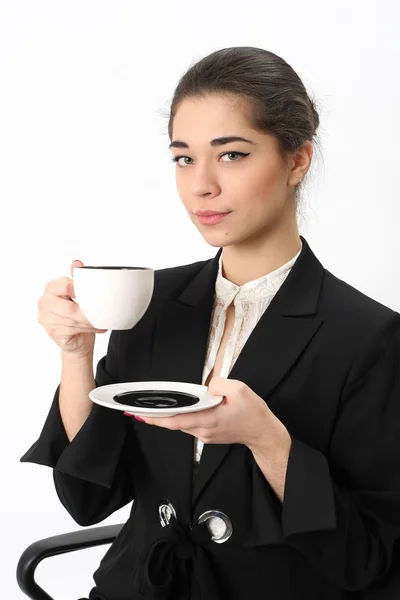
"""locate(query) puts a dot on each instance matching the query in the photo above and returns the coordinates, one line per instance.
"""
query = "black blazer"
(326, 359)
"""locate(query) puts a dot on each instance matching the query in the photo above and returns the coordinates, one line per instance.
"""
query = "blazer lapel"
(179, 350)
(280, 336)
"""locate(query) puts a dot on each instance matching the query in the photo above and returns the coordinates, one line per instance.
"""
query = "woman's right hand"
(64, 321)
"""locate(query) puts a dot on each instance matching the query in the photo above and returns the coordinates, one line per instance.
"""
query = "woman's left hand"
(242, 417)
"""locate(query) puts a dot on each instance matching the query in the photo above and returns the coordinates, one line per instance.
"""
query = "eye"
(176, 159)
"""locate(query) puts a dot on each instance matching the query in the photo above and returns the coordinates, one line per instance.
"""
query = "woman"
(290, 488)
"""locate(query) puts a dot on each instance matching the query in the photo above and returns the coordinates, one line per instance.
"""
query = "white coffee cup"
(113, 297)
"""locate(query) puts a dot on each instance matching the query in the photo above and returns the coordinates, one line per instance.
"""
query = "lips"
(211, 219)
(210, 213)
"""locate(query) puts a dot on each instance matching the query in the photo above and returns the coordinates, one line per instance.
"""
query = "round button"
(219, 525)
(165, 512)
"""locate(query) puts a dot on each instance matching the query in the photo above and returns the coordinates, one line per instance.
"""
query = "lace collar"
(254, 290)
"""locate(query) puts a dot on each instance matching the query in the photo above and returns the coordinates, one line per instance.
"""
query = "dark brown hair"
(265, 87)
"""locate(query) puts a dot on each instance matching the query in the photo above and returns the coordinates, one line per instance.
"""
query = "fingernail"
(138, 418)
(128, 414)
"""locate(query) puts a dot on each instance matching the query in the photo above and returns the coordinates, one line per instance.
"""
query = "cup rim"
(113, 268)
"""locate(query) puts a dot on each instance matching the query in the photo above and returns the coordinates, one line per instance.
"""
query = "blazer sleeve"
(342, 511)
(92, 473)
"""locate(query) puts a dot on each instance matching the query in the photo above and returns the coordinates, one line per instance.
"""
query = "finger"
(199, 419)
(75, 263)
(62, 307)
(172, 423)
(62, 286)
(168, 422)
(55, 318)
(221, 386)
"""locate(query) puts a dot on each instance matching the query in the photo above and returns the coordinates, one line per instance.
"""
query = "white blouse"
(250, 301)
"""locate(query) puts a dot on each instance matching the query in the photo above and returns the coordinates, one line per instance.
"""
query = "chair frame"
(58, 544)
(388, 588)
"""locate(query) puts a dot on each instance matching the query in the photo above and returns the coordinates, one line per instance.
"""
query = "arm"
(272, 456)
(342, 511)
(77, 380)
(93, 472)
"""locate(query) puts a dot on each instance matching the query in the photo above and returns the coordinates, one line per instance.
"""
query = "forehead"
(208, 117)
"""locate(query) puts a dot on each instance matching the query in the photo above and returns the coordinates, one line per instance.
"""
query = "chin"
(219, 240)
(215, 245)
(222, 239)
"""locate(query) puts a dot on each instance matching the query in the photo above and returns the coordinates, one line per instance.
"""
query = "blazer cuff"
(263, 514)
(309, 501)
(52, 440)
(94, 452)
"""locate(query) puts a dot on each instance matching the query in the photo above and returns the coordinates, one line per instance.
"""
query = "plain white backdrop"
(85, 173)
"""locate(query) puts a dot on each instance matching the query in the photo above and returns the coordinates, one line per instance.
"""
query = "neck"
(250, 260)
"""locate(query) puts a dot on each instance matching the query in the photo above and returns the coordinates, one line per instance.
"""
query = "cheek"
(261, 200)
(257, 183)
(182, 185)
(186, 203)
(265, 181)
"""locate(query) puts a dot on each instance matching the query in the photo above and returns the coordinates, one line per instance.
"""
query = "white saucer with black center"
(155, 398)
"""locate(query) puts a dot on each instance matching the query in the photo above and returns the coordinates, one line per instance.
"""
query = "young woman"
(290, 488)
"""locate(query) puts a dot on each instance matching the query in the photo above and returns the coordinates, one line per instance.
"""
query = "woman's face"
(256, 188)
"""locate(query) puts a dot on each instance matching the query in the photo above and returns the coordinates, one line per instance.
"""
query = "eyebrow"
(216, 142)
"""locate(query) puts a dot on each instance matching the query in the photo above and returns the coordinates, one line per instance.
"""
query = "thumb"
(218, 385)
(76, 263)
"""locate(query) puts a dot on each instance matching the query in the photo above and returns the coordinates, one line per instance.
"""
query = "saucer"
(165, 396)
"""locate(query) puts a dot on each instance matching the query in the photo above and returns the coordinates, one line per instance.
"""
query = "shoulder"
(354, 313)
(352, 300)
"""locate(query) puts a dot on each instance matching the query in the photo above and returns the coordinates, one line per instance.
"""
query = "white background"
(85, 173)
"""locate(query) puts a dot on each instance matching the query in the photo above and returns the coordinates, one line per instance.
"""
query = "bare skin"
(230, 319)
(260, 234)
